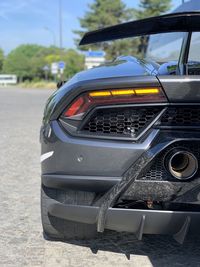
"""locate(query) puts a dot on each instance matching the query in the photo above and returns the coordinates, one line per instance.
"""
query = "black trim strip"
(176, 22)
(96, 184)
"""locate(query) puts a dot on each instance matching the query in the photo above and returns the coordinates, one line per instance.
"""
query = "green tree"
(28, 61)
(39, 60)
(104, 13)
(74, 62)
(22, 61)
(150, 8)
(1, 59)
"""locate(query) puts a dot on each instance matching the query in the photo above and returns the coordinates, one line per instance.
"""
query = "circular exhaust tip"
(182, 165)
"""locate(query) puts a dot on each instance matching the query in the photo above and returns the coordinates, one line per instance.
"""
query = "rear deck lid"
(181, 88)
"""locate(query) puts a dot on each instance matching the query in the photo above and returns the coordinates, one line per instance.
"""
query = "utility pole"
(60, 23)
(60, 32)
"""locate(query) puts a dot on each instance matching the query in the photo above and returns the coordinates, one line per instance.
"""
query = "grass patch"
(39, 85)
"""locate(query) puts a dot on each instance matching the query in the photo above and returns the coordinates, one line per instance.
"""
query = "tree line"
(28, 61)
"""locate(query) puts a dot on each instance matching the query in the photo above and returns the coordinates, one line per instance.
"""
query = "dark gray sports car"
(121, 142)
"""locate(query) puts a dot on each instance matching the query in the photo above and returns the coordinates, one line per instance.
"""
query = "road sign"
(94, 58)
(45, 68)
(61, 65)
(96, 54)
(54, 68)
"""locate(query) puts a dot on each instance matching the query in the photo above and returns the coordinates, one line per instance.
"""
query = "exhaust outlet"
(182, 164)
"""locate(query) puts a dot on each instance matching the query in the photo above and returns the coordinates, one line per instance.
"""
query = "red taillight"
(79, 105)
(115, 96)
(74, 108)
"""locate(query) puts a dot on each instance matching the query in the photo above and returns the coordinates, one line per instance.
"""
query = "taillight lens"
(87, 100)
(75, 107)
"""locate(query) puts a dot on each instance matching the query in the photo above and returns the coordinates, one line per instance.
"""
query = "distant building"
(94, 59)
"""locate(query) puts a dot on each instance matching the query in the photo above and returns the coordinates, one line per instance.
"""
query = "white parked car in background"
(8, 79)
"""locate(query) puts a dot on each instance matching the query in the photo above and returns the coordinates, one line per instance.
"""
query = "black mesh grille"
(125, 121)
(158, 172)
(181, 116)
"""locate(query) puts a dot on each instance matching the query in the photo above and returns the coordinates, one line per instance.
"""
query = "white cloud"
(10, 7)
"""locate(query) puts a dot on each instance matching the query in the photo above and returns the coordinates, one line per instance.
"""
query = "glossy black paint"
(103, 214)
(110, 167)
(100, 157)
(122, 73)
(178, 89)
(181, 89)
(175, 22)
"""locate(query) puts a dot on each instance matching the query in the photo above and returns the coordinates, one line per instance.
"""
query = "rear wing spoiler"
(175, 22)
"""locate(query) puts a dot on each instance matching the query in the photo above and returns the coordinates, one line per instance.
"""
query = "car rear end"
(121, 142)
(129, 147)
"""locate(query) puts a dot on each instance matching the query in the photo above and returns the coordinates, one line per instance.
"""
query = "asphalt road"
(21, 239)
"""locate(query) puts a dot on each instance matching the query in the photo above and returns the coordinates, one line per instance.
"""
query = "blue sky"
(24, 21)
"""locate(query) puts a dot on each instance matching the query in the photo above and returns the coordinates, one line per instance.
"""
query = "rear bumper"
(97, 184)
(155, 190)
(176, 223)
(101, 160)
(85, 157)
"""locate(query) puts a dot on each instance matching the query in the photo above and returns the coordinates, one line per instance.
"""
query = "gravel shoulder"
(21, 239)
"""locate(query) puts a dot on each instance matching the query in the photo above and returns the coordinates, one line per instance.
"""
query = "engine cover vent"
(181, 116)
(120, 121)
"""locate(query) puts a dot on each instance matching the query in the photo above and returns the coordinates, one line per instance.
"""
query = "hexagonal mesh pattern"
(181, 116)
(125, 121)
(158, 172)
